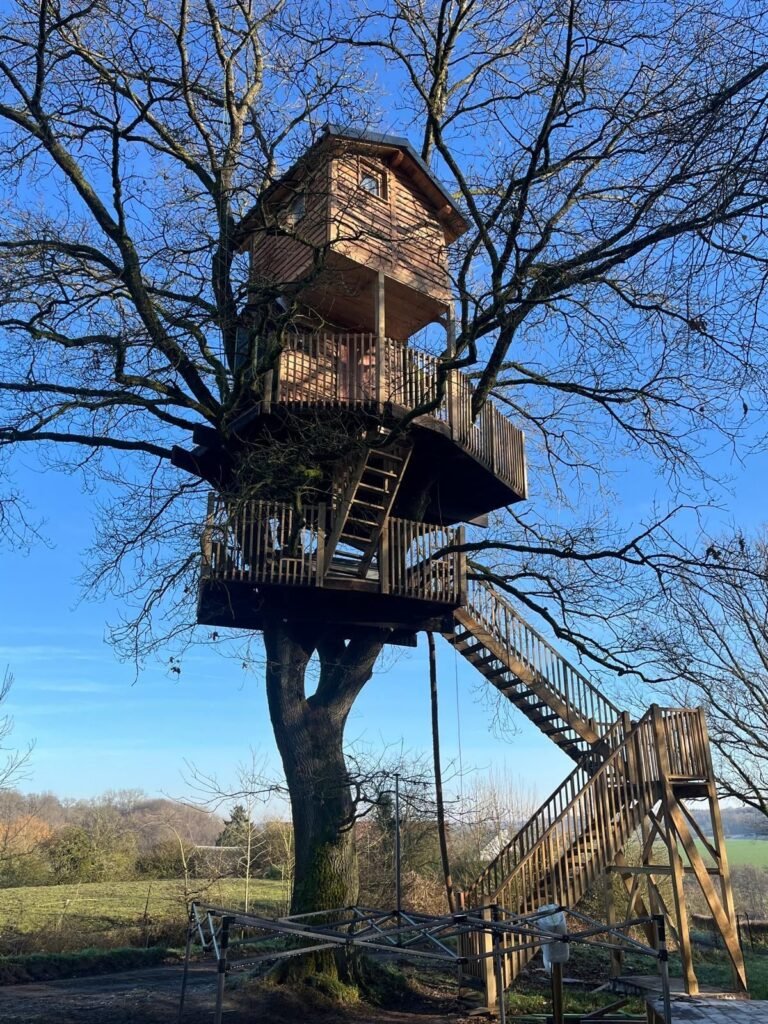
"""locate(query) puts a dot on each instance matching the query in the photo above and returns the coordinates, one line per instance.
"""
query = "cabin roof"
(376, 143)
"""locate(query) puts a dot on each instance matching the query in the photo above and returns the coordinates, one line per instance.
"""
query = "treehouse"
(353, 243)
(353, 240)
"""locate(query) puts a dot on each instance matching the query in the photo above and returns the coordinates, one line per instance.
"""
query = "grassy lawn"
(750, 852)
(108, 914)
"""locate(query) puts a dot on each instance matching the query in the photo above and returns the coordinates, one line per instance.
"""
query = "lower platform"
(241, 604)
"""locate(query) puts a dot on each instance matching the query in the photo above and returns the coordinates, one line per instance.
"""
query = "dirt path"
(152, 997)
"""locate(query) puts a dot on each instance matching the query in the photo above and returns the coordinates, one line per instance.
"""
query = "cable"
(458, 724)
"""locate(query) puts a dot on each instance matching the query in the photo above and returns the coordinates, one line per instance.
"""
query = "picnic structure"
(355, 239)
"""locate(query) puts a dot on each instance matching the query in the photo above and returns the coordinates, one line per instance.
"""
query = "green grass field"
(751, 852)
(57, 918)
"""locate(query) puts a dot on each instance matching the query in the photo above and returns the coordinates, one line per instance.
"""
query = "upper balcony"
(482, 461)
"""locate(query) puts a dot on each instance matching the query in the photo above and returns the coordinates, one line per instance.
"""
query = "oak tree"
(611, 162)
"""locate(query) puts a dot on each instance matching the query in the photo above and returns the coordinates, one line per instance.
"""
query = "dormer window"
(374, 182)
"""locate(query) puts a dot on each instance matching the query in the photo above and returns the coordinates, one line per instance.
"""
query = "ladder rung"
(381, 472)
(366, 506)
(373, 487)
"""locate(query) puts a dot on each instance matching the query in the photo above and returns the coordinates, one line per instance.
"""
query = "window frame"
(366, 169)
(288, 217)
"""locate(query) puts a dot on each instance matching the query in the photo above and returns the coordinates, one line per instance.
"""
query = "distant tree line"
(45, 840)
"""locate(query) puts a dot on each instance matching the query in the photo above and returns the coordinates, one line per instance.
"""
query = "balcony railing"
(366, 371)
(264, 542)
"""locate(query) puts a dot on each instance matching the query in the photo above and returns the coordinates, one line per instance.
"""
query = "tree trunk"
(310, 732)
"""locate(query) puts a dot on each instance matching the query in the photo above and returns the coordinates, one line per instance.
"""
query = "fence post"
(486, 949)
(498, 967)
(222, 968)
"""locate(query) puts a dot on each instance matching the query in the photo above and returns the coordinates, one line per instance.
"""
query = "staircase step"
(361, 522)
(480, 662)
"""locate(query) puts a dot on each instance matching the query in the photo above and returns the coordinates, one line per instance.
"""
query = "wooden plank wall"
(399, 234)
(281, 258)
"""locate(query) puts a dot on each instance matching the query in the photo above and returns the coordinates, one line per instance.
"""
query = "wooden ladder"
(366, 503)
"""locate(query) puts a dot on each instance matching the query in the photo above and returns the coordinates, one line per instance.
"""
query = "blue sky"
(99, 725)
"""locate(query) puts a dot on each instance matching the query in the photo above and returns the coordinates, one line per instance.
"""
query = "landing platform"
(708, 1010)
(649, 985)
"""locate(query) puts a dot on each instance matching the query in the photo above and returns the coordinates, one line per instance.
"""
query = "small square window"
(373, 182)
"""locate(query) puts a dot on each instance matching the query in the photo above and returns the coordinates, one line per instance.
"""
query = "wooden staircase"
(629, 778)
(364, 506)
(533, 676)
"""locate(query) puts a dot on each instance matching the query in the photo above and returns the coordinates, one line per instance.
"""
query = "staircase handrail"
(536, 826)
(640, 742)
(572, 687)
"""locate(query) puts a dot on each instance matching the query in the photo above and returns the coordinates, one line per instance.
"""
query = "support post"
(185, 975)
(322, 523)
(222, 969)
(380, 322)
(451, 379)
(498, 968)
(385, 582)
(462, 588)
(206, 543)
(398, 879)
(661, 945)
(486, 948)
(269, 383)
(440, 805)
(617, 955)
(718, 835)
(675, 861)
(557, 993)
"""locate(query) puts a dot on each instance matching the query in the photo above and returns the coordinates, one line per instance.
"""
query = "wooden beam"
(667, 802)
(718, 835)
(380, 322)
(726, 926)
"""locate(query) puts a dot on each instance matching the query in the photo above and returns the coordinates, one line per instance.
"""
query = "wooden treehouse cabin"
(354, 242)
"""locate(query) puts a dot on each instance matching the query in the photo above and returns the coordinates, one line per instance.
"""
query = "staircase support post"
(675, 861)
(617, 955)
(718, 836)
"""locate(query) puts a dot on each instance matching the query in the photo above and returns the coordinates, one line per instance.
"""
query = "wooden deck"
(380, 375)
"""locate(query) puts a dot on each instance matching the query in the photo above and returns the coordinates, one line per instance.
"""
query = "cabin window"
(294, 212)
(374, 182)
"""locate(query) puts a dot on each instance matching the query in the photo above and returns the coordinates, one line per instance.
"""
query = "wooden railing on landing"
(267, 542)
(577, 833)
(366, 371)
